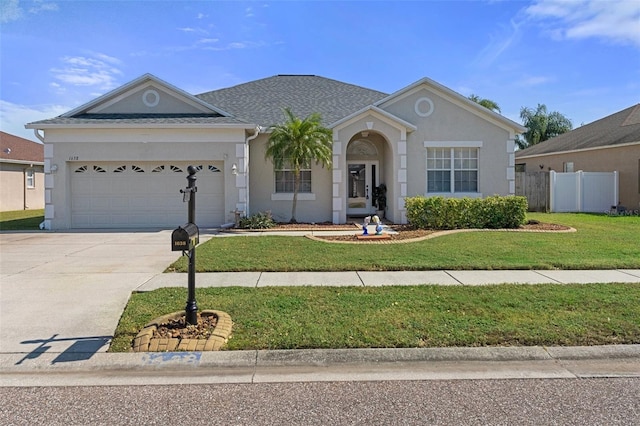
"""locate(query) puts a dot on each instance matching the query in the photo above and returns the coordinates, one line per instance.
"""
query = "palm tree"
(295, 143)
(487, 103)
(541, 125)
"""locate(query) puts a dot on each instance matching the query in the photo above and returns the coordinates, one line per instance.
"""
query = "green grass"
(21, 220)
(602, 242)
(404, 317)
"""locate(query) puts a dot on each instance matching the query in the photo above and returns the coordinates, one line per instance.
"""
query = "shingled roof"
(15, 149)
(620, 128)
(261, 101)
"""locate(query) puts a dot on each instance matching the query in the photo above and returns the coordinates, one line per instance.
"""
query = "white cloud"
(617, 21)
(42, 6)
(14, 117)
(499, 43)
(10, 10)
(98, 71)
(193, 30)
(530, 81)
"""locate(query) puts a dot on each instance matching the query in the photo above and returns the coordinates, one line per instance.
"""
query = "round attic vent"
(151, 98)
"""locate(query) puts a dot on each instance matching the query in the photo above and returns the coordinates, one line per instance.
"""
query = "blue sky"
(581, 58)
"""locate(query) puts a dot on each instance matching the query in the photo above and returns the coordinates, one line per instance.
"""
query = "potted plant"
(380, 199)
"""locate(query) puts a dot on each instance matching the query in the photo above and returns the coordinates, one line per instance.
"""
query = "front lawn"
(21, 220)
(602, 242)
(405, 317)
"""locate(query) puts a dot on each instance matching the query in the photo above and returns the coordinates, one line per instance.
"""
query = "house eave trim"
(25, 162)
(573, 151)
(141, 126)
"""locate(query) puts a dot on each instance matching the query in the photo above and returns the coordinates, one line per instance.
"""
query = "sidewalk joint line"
(360, 278)
(255, 369)
(627, 273)
(454, 278)
(548, 277)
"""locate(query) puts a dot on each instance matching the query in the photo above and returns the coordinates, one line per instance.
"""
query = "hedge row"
(494, 212)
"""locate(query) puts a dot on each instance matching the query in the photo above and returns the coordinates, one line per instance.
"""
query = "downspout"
(24, 189)
(258, 129)
(40, 137)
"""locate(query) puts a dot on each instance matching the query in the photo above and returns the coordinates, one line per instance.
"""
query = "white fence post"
(552, 191)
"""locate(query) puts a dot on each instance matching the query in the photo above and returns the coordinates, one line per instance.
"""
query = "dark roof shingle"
(261, 101)
(620, 128)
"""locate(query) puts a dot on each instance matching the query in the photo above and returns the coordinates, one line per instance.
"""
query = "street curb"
(18, 363)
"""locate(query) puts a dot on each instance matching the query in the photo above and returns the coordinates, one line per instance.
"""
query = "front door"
(363, 178)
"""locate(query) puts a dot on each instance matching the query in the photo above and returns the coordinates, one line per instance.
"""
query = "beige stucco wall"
(14, 194)
(452, 121)
(314, 207)
(71, 147)
(624, 159)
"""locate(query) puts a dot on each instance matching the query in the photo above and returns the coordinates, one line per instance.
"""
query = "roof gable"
(15, 149)
(146, 95)
(378, 113)
(622, 127)
(455, 98)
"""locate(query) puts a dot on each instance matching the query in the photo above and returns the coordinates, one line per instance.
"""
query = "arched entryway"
(365, 157)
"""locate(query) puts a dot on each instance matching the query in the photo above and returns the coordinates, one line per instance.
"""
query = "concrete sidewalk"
(62, 295)
(377, 279)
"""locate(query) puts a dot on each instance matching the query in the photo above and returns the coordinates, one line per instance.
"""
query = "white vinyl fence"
(593, 192)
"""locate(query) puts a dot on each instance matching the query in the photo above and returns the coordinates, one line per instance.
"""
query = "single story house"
(21, 173)
(120, 160)
(606, 145)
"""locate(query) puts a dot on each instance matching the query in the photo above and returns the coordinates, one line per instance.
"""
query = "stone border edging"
(145, 342)
(437, 234)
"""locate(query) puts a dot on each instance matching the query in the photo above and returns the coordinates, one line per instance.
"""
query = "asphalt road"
(611, 401)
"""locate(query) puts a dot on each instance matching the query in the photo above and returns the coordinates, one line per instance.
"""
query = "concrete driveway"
(65, 291)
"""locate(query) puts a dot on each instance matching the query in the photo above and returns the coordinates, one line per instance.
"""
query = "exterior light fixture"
(234, 169)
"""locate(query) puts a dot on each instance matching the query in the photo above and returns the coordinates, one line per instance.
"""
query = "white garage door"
(143, 194)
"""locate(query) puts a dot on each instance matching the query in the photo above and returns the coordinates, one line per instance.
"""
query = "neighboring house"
(121, 159)
(606, 145)
(21, 173)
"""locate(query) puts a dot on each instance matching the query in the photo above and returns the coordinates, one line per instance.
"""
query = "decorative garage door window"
(143, 194)
(141, 169)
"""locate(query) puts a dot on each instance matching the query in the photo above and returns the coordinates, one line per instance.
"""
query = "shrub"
(460, 213)
(261, 220)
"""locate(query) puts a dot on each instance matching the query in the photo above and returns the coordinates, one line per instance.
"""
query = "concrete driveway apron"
(65, 291)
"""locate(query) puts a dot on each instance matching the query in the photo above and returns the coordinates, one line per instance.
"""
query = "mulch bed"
(404, 232)
(179, 329)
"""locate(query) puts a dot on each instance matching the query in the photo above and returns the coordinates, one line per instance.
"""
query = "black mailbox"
(185, 237)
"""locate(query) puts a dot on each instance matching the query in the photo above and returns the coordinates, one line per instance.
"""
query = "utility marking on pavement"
(168, 358)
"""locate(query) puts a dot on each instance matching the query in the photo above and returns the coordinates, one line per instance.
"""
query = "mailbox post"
(185, 238)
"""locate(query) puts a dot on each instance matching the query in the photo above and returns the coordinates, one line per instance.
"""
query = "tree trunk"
(296, 186)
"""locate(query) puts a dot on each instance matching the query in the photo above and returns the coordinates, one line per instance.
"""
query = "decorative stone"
(145, 342)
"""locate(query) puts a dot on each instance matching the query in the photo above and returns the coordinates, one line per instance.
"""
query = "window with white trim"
(31, 178)
(452, 170)
(285, 179)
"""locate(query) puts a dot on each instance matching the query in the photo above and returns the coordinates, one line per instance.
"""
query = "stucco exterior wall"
(313, 207)
(624, 159)
(14, 193)
(450, 121)
(65, 149)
